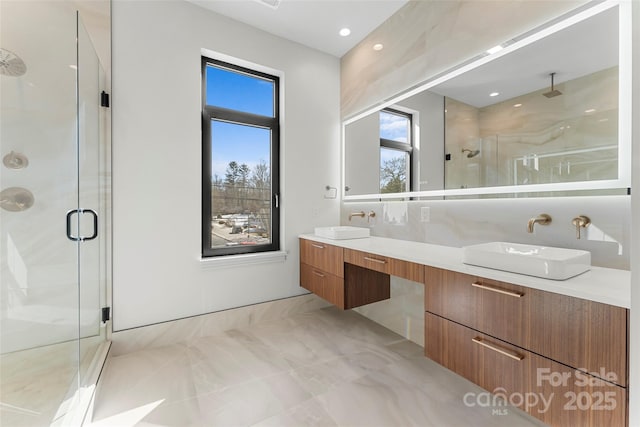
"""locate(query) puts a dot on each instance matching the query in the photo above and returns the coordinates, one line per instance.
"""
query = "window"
(240, 155)
(396, 149)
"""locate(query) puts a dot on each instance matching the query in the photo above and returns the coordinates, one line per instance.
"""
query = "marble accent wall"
(403, 313)
(464, 222)
(425, 38)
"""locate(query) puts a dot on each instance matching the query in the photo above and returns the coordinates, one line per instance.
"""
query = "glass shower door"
(54, 163)
(87, 224)
(92, 220)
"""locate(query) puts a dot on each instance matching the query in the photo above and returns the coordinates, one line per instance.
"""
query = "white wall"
(158, 275)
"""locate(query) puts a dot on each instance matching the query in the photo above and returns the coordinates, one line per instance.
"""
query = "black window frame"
(401, 146)
(210, 113)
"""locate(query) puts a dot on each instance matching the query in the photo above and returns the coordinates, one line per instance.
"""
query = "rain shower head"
(471, 153)
(553, 92)
(11, 64)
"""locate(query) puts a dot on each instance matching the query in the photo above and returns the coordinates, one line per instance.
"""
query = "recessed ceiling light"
(517, 105)
(590, 110)
(494, 49)
(378, 46)
(494, 94)
(345, 32)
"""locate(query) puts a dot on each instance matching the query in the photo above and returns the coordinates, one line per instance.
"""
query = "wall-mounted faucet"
(542, 219)
(370, 214)
(361, 214)
(579, 222)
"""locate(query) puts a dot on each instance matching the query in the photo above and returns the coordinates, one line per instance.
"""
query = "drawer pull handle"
(379, 261)
(508, 353)
(317, 246)
(500, 291)
(318, 274)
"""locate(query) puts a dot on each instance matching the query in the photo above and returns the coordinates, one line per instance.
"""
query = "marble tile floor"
(322, 368)
(35, 384)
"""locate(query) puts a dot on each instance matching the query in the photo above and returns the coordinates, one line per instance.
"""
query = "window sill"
(244, 259)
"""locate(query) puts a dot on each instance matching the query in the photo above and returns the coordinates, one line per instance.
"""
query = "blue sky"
(232, 142)
(394, 127)
(244, 144)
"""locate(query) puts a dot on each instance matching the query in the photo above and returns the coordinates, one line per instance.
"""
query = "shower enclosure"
(54, 214)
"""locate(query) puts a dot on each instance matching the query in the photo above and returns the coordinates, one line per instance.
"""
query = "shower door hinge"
(106, 314)
(104, 99)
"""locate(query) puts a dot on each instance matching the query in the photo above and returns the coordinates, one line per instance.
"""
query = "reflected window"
(240, 146)
(396, 148)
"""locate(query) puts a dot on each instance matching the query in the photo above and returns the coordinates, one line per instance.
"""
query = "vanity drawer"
(392, 266)
(577, 332)
(406, 270)
(322, 256)
(372, 262)
(459, 349)
(325, 285)
(496, 308)
(552, 392)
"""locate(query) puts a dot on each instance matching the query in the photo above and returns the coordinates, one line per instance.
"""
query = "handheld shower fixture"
(471, 153)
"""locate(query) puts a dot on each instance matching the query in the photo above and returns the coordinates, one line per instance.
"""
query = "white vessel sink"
(342, 232)
(540, 261)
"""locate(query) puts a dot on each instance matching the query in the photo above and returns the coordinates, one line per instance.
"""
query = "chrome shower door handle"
(95, 225)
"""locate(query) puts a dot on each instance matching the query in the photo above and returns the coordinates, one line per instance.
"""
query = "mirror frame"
(564, 21)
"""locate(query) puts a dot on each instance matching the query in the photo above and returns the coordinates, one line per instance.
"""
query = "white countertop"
(605, 285)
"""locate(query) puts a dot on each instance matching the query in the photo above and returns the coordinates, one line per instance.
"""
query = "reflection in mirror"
(405, 140)
(542, 112)
(533, 139)
(396, 149)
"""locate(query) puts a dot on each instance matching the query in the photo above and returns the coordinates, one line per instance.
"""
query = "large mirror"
(545, 113)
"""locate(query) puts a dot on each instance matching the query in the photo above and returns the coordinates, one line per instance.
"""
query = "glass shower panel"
(38, 264)
(92, 157)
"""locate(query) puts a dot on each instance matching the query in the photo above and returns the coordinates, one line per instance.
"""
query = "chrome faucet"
(542, 219)
(361, 214)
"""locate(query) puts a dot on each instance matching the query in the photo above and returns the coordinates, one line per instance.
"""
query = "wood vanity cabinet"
(392, 266)
(325, 272)
(522, 340)
(322, 271)
(550, 391)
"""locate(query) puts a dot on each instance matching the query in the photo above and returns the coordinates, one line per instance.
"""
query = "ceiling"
(313, 23)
